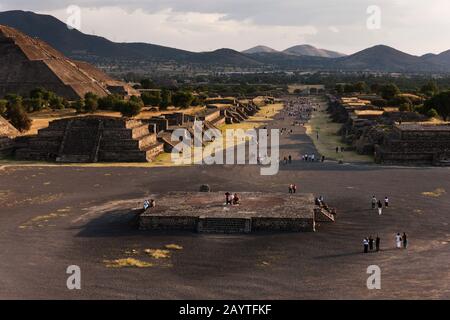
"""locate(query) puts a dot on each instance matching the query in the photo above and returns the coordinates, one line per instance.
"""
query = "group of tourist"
(292, 188)
(377, 204)
(401, 241)
(232, 199)
(369, 242)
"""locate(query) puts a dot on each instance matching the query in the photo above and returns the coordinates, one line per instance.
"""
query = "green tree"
(33, 104)
(151, 98)
(389, 91)
(3, 105)
(79, 105)
(360, 87)
(147, 84)
(340, 89)
(131, 109)
(18, 116)
(432, 113)
(56, 102)
(399, 101)
(182, 99)
(430, 89)
(166, 99)
(380, 103)
(441, 103)
(90, 102)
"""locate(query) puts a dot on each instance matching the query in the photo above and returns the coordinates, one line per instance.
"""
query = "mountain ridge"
(95, 49)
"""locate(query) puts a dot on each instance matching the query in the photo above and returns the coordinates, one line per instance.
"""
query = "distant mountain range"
(300, 50)
(95, 49)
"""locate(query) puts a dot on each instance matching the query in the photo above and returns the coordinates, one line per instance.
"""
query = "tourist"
(228, 198)
(386, 202)
(337, 149)
(405, 241)
(236, 200)
(290, 159)
(146, 204)
(294, 188)
(291, 189)
(374, 202)
(370, 243)
(377, 243)
(152, 203)
(323, 159)
(398, 241)
(313, 157)
(366, 245)
(380, 208)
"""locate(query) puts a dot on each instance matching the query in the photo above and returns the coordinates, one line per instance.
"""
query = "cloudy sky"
(414, 26)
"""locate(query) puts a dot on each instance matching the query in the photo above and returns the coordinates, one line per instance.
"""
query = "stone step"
(128, 144)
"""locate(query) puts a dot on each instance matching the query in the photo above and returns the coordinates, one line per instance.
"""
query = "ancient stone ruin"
(27, 63)
(7, 134)
(92, 139)
(414, 143)
(258, 212)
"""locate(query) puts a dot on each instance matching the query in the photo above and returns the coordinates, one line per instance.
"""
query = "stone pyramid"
(27, 63)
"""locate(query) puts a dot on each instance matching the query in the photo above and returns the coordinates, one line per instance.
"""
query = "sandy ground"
(53, 217)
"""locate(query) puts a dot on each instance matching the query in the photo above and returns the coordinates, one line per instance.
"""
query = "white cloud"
(415, 26)
(187, 30)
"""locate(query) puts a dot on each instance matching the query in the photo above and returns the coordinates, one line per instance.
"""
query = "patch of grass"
(434, 194)
(127, 263)
(329, 138)
(173, 247)
(158, 253)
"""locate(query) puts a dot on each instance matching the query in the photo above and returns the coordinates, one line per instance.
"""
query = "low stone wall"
(147, 222)
(282, 224)
(226, 225)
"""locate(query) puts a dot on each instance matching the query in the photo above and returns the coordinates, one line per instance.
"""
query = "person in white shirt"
(398, 241)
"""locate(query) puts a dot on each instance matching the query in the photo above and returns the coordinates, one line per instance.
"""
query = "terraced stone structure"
(7, 134)
(207, 213)
(92, 139)
(416, 144)
(27, 63)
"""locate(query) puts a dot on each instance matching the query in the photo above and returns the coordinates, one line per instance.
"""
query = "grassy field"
(329, 138)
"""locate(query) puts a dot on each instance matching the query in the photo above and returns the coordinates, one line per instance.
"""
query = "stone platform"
(207, 213)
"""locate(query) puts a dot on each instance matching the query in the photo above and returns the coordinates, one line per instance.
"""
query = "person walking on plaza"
(370, 243)
(398, 241)
(380, 208)
(291, 188)
(294, 188)
(366, 245)
(377, 243)
(386, 201)
(405, 241)
(228, 198)
(374, 202)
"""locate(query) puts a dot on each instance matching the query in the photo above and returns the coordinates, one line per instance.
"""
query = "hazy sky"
(414, 26)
